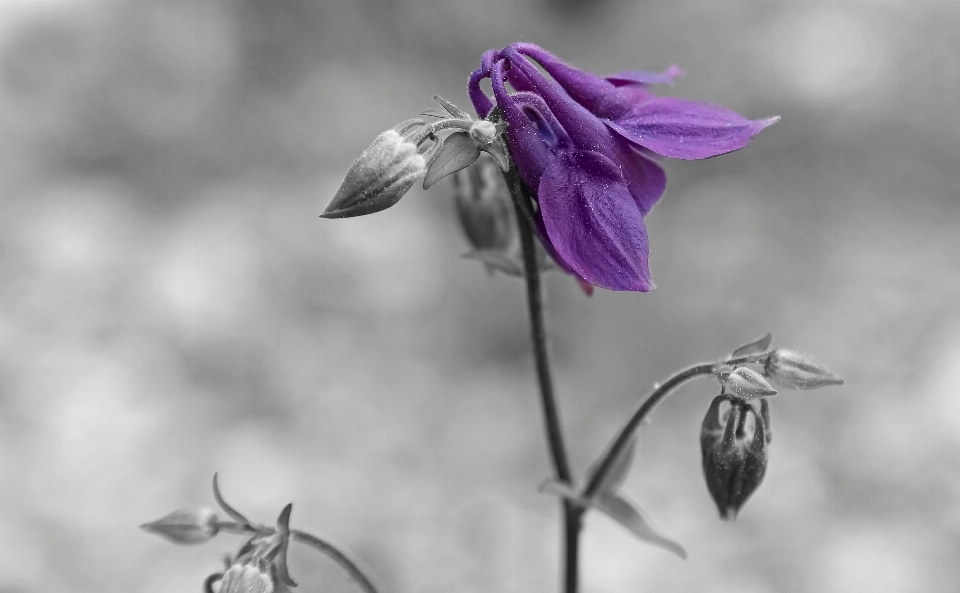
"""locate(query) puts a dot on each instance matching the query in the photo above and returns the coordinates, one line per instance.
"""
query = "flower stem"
(337, 556)
(324, 547)
(659, 393)
(572, 514)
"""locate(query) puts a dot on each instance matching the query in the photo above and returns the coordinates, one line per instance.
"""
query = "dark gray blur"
(173, 306)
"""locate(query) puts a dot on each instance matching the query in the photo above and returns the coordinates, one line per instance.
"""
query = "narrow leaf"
(497, 260)
(758, 347)
(618, 471)
(283, 528)
(458, 151)
(636, 521)
(451, 108)
(558, 489)
(223, 504)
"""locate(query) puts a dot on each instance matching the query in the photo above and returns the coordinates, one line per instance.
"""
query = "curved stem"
(625, 435)
(659, 393)
(324, 547)
(572, 514)
(337, 556)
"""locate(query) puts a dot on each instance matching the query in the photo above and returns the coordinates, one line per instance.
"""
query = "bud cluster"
(260, 566)
(415, 150)
(734, 442)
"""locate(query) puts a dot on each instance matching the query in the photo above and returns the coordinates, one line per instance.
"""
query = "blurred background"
(173, 306)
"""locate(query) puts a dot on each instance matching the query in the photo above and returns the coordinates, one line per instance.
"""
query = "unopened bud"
(734, 460)
(747, 383)
(186, 526)
(385, 171)
(792, 370)
(484, 207)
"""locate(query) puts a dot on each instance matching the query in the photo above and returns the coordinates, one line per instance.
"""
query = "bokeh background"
(173, 306)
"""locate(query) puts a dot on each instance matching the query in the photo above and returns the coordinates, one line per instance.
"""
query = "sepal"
(746, 383)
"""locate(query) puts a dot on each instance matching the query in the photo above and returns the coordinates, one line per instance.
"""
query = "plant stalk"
(572, 514)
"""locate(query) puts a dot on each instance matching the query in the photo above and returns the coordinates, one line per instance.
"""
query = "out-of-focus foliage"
(172, 305)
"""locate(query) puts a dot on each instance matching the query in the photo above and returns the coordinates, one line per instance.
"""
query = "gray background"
(172, 306)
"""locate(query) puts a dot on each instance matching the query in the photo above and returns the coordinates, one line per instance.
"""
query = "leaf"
(636, 521)
(451, 108)
(223, 504)
(618, 471)
(758, 347)
(559, 489)
(457, 152)
(283, 528)
(497, 260)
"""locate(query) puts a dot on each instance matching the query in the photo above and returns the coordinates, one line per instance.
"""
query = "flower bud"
(747, 384)
(734, 461)
(792, 370)
(385, 171)
(247, 578)
(186, 526)
(484, 207)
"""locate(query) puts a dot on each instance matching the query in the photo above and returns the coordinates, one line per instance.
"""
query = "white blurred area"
(172, 306)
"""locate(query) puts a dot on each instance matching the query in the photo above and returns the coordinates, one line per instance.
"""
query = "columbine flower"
(581, 143)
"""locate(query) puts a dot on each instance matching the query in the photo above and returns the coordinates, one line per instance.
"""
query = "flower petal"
(533, 128)
(584, 87)
(584, 127)
(619, 102)
(628, 77)
(481, 102)
(688, 130)
(593, 222)
(645, 179)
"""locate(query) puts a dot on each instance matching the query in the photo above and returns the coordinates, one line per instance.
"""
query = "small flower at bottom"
(734, 461)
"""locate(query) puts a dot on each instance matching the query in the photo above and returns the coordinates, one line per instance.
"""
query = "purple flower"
(584, 145)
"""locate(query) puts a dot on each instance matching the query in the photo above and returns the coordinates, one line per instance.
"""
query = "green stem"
(572, 514)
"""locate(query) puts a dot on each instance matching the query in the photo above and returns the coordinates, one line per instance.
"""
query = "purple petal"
(593, 222)
(584, 128)
(584, 87)
(481, 102)
(688, 130)
(621, 101)
(488, 59)
(645, 179)
(628, 77)
(530, 152)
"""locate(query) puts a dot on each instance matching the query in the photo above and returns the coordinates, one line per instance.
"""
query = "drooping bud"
(747, 383)
(385, 171)
(484, 207)
(734, 457)
(186, 526)
(792, 370)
